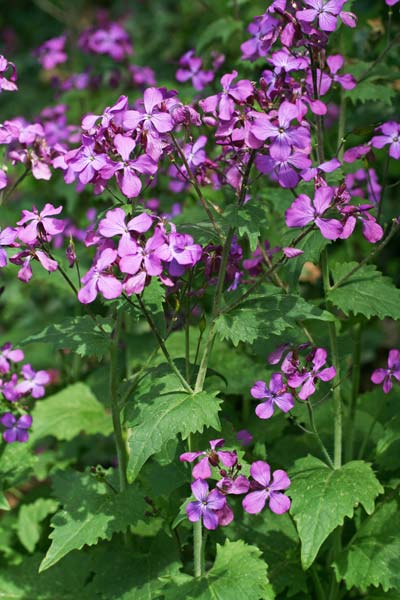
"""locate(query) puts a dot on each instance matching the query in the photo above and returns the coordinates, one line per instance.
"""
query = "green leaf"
(368, 91)
(238, 572)
(29, 519)
(16, 464)
(162, 410)
(263, 315)
(221, 29)
(323, 497)
(91, 511)
(367, 292)
(153, 298)
(64, 582)
(138, 573)
(391, 434)
(69, 412)
(3, 501)
(373, 557)
(247, 221)
(78, 334)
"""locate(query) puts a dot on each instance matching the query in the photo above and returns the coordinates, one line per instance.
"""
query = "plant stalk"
(198, 549)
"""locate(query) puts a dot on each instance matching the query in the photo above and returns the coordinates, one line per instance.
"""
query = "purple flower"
(244, 437)
(127, 170)
(275, 394)
(7, 355)
(307, 380)
(7, 84)
(280, 131)
(264, 30)
(100, 279)
(206, 505)
(134, 257)
(34, 382)
(234, 485)
(184, 253)
(114, 224)
(16, 430)
(385, 375)
(190, 68)
(304, 211)
(86, 162)
(391, 135)
(7, 237)
(40, 223)
(24, 259)
(326, 11)
(211, 457)
(265, 489)
(51, 53)
(231, 92)
(153, 120)
(281, 165)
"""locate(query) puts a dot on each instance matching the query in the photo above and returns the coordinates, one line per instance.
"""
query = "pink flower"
(41, 224)
(303, 211)
(100, 279)
(211, 457)
(385, 375)
(34, 382)
(265, 489)
(307, 380)
(206, 505)
(390, 135)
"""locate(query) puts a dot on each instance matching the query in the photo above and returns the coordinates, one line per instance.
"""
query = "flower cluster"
(295, 374)
(162, 253)
(17, 384)
(212, 506)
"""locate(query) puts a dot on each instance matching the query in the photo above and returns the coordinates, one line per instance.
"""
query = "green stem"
(317, 436)
(201, 375)
(337, 397)
(161, 343)
(115, 410)
(198, 550)
(319, 590)
(354, 391)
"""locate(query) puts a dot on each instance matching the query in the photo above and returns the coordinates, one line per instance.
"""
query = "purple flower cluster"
(162, 253)
(106, 37)
(296, 373)
(327, 204)
(212, 506)
(190, 69)
(51, 53)
(17, 384)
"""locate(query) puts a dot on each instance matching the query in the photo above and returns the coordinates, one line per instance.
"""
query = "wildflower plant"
(199, 302)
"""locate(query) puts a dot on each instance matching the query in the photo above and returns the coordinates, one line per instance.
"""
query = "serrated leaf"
(238, 572)
(78, 334)
(29, 518)
(64, 582)
(265, 315)
(69, 412)
(368, 91)
(373, 557)
(139, 573)
(3, 501)
(247, 221)
(367, 292)
(162, 410)
(390, 435)
(322, 497)
(91, 511)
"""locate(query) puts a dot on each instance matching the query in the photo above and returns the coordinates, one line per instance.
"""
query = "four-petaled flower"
(100, 279)
(16, 430)
(265, 489)
(390, 135)
(305, 211)
(206, 505)
(211, 457)
(308, 379)
(385, 375)
(34, 382)
(275, 394)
